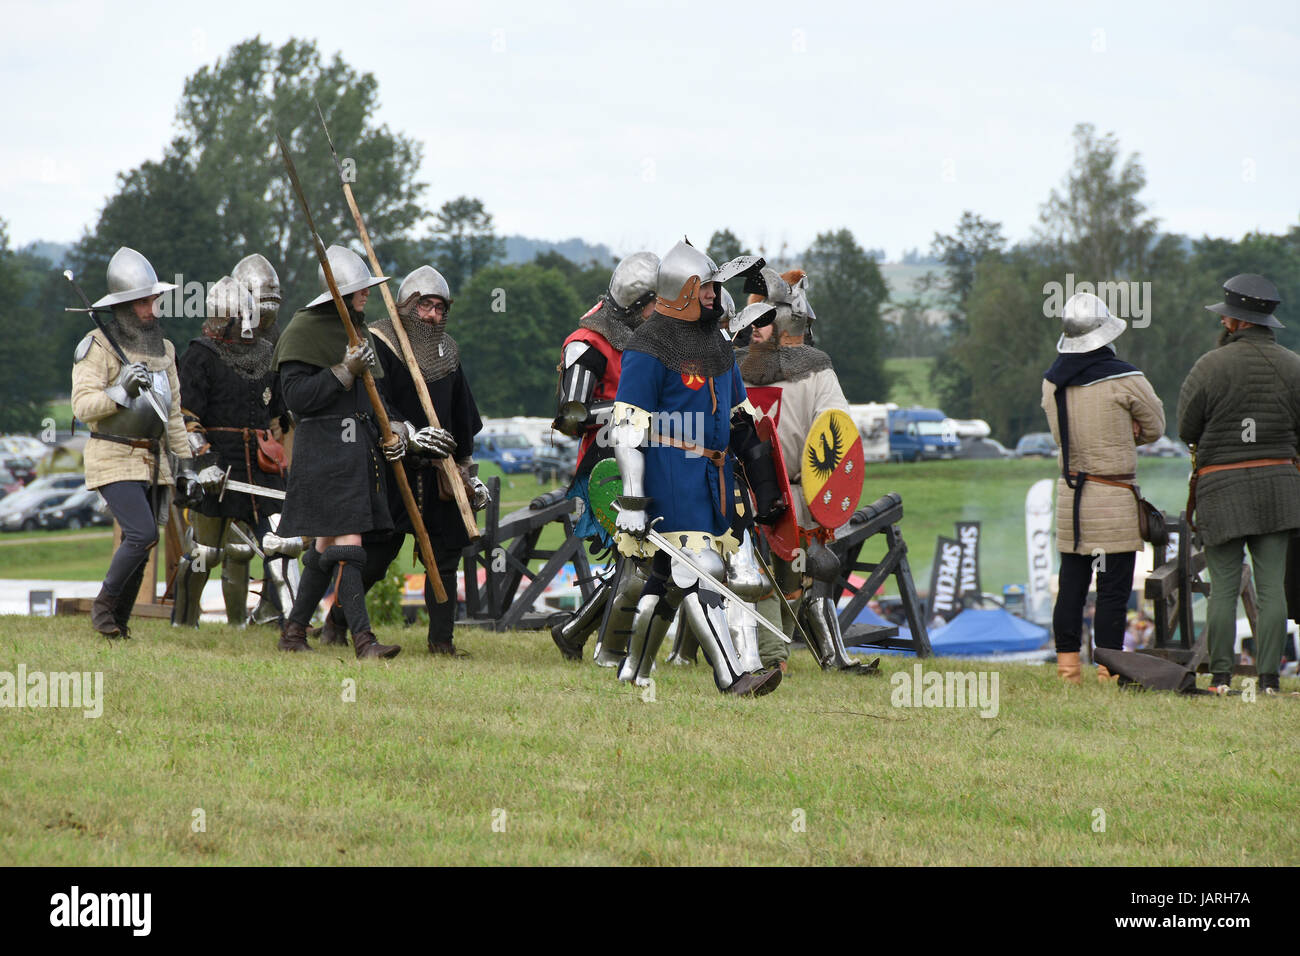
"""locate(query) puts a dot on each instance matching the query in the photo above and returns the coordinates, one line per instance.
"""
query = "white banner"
(1038, 538)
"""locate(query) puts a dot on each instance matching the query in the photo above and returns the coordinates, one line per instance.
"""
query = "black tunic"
(337, 482)
(219, 397)
(457, 413)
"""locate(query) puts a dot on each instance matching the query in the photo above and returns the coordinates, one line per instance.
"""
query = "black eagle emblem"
(832, 452)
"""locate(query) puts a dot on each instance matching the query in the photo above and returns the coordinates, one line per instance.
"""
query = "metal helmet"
(684, 269)
(131, 277)
(634, 280)
(351, 274)
(229, 302)
(728, 306)
(425, 280)
(1250, 298)
(256, 274)
(788, 292)
(1087, 324)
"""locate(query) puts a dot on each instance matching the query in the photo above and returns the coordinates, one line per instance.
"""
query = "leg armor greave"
(192, 572)
(234, 577)
(613, 639)
(654, 613)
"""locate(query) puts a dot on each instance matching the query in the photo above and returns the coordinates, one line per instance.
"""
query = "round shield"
(782, 537)
(603, 486)
(832, 468)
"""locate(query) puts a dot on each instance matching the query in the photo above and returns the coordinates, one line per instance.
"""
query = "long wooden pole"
(426, 402)
(376, 403)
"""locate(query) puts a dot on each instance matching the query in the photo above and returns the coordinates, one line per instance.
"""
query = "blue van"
(511, 452)
(918, 434)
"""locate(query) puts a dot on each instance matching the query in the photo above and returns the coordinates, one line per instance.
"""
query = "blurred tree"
(509, 322)
(847, 293)
(588, 282)
(911, 331)
(24, 376)
(220, 191)
(463, 241)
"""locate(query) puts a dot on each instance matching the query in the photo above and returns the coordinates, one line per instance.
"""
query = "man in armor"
(126, 458)
(336, 491)
(423, 302)
(680, 405)
(231, 397)
(590, 362)
(796, 383)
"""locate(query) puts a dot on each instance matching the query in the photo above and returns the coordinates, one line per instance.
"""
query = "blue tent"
(975, 632)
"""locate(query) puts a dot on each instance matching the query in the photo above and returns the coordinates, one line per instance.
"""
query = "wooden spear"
(447, 464)
(381, 415)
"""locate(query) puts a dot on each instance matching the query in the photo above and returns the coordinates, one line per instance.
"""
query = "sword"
(682, 556)
(228, 484)
(243, 536)
(94, 315)
(776, 586)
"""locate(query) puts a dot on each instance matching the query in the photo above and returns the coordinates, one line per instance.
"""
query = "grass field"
(909, 382)
(513, 756)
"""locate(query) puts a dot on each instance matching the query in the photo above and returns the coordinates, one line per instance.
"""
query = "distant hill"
(55, 252)
(522, 249)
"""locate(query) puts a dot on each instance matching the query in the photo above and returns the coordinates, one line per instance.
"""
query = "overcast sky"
(633, 123)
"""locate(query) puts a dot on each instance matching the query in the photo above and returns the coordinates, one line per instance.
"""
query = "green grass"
(419, 767)
(909, 382)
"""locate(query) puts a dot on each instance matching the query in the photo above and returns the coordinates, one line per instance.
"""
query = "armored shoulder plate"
(83, 347)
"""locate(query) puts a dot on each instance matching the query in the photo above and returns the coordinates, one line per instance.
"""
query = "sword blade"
(682, 556)
(242, 536)
(246, 488)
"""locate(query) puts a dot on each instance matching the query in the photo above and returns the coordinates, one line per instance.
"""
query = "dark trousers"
(381, 552)
(1114, 584)
(130, 503)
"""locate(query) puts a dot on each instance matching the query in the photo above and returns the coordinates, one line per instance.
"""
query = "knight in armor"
(795, 383)
(423, 303)
(680, 407)
(337, 490)
(590, 361)
(126, 456)
(231, 399)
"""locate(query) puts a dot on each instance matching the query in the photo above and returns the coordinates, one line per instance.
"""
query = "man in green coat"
(1240, 408)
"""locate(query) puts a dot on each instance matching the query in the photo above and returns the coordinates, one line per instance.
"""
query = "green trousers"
(1268, 559)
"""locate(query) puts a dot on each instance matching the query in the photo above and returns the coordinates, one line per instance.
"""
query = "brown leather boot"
(101, 614)
(335, 628)
(367, 646)
(1067, 667)
(293, 637)
(1104, 676)
(756, 685)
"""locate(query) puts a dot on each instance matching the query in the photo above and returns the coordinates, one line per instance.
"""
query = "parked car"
(84, 508)
(916, 434)
(20, 466)
(984, 448)
(65, 480)
(9, 482)
(1164, 447)
(18, 511)
(511, 452)
(1036, 445)
(557, 460)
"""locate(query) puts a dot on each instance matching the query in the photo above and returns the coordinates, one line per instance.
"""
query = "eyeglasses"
(430, 304)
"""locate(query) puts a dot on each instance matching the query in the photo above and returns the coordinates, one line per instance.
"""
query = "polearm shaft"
(376, 403)
(446, 464)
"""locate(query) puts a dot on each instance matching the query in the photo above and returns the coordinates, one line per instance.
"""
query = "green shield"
(604, 486)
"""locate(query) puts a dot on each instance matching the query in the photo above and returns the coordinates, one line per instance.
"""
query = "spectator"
(1099, 409)
(1240, 409)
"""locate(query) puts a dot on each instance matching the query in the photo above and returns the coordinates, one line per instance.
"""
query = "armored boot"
(734, 672)
(827, 642)
(654, 614)
(611, 647)
(367, 646)
(234, 579)
(293, 637)
(101, 614)
(191, 578)
(571, 635)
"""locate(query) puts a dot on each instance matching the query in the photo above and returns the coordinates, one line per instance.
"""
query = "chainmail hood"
(135, 337)
(766, 362)
(693, 347)
(251, 361)
(435, 350)
(615, 324)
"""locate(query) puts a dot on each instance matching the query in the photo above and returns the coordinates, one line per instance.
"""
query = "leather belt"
(149, 443)
(715, 457)
(1233, 466)
(1075, 482)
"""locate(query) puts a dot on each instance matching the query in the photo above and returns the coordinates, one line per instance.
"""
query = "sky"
(633, 124)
